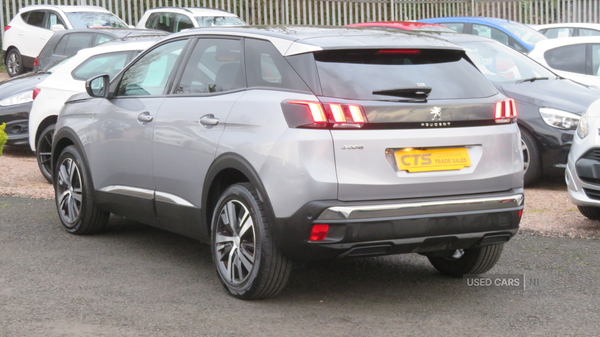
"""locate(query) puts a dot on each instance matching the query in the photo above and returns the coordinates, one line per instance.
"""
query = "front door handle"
(145, 117)
(209, 120)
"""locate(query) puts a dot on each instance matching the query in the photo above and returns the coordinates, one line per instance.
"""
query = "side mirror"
(98, 86)
(56, 28)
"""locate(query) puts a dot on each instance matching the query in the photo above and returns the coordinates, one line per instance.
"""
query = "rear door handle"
(145, 117)
(209, 120)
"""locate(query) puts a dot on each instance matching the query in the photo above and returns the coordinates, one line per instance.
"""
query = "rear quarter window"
(357, 74)
(568, 58)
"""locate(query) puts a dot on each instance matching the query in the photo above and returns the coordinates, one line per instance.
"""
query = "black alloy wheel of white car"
(248, 263)
(44, 152)
(14, 63)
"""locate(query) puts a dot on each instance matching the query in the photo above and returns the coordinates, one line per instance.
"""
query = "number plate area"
(426, 160)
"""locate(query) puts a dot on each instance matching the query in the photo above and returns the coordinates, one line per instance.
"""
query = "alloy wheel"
(44, 153)
(70, 192)
(13, 64)
(235, 242)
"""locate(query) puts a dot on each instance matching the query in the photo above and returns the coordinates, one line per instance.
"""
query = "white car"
(27, 33)
(558, 30)
(175, 19)
(69, 79)
(583, 166)
(575, 58)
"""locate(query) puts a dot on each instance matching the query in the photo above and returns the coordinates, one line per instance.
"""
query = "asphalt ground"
(135, 280)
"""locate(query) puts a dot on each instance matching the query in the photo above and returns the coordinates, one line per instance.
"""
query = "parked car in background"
(549, 106)
(558, 30)
(16, 97)
(69, 79)
(176, 19)
(275, 144)
(68, 42)
(583, 169)
(404, 25)
(27, 33)
(576, 58)
(513, 34)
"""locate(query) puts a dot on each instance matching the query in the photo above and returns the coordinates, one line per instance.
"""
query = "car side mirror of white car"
(98, 86)
(57, 27)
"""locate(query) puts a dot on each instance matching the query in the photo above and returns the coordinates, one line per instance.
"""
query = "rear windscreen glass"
(365, 74)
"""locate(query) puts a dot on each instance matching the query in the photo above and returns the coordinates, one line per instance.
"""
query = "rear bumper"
(17, 124)
(394, 227)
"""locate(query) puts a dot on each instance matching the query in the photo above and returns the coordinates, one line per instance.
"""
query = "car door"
(34, 34)
(121, 153)
(188, 126)
(569, 61)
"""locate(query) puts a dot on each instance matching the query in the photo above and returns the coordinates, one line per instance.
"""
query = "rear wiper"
(532, 79)
(419, 93)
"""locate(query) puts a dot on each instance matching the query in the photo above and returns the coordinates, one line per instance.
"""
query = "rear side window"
(361, 74)
(161, 21)
(214, 66)
(568, 58)
(36, 18)
(266, 67)
(490, 32)
(109, 64)
(72, 43)
(101, 38)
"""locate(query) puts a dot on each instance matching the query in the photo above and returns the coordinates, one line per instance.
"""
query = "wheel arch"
(226, 170)
(63, 138)
(43, 124)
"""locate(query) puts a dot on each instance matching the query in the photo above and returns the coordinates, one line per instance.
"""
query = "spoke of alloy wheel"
(246, 223)
(231, 215)
(62, 196)
(230, 267)
(238, 264)
(246, 258)
(63, 175)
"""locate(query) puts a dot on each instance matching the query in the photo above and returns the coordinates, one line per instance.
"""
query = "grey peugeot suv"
(277, 144)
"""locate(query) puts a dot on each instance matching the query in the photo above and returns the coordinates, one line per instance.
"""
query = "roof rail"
(187, 9)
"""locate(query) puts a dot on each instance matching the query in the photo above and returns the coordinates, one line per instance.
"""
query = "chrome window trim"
(421, 208)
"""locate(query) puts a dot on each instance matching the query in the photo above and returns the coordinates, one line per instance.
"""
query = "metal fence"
(336, 12)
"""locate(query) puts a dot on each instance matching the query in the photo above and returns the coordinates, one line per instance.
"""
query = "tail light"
(7, 27)
(36, 91)
(36, 62)
(505, 111)
(309, 114)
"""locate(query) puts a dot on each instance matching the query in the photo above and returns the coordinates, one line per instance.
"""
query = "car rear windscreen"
(388, 74)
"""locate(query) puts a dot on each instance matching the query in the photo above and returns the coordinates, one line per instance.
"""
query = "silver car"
(297, 143)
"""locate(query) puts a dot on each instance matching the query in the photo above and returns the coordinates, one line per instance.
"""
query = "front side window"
(54, 19)
(183, 22)
(149, 75)
(214, 66)
(523, 32)
(491, 32)
(101, 38)
(567, 58)
(109, 64)
(457, 26)
(369, 74)
(596, 59)
(95, 20)
(209, 21)
(588, 32)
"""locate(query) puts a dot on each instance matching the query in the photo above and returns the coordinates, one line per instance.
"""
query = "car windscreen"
(95, 20)
(526, 34)
(209, 21)
(500, 63)
(381, 74)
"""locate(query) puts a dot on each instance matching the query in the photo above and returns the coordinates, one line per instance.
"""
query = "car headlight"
(583, 128)
(20, 98)
(559, 119)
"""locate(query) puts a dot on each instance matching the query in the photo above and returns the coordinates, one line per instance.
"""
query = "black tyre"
(74, 196)
(531, 158)
(590, 212)
(248, 264)
(14, 63)
(44, 152)
(468, 261)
